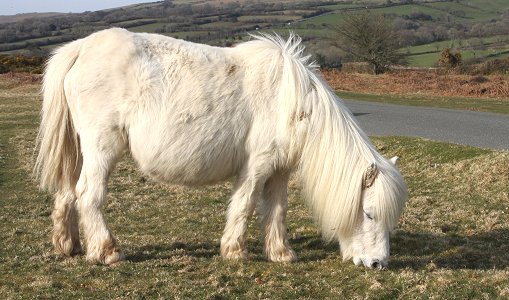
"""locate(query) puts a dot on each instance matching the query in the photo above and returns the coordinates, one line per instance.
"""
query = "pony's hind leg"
(100, 153)
(66, 237)
(273, 213)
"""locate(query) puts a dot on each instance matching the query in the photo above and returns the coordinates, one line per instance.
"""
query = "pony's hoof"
(108, 257)
(284, 256)
(77, 250)
(235, 254)
(67, 247)
(115, 256)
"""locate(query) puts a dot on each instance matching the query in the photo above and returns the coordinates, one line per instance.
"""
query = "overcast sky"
(12, 7)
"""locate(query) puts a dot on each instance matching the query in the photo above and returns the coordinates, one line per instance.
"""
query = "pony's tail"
(58, 162)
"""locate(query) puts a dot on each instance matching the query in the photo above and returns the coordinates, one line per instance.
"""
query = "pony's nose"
(375, 264)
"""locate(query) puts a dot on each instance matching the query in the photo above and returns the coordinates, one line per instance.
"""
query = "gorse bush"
(449, 58)
(20, 63)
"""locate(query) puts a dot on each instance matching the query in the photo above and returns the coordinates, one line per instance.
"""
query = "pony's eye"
(368, 215)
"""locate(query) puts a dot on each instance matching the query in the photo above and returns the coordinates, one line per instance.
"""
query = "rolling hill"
(425, 27)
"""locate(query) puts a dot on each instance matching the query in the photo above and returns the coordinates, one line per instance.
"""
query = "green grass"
(335, 18)
(452, 241)
(328, 19)
(492, 5)
(471, 13)
(148, 27)
(408, 9)
(467, 103)
(279, 18)
(428, 60)
(187, 34)
(340, 6)
(498, 40)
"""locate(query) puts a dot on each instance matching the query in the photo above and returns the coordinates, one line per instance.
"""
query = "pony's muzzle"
(371, 263)
(376, 264)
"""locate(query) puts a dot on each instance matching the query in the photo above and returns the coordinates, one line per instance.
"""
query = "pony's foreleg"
(66, 237)
(273, 213)
(247, 191)
(99, 157)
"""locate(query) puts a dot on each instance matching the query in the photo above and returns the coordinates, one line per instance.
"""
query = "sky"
(12, 7)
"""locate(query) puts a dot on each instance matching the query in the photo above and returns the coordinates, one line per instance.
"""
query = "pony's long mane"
(335, 152)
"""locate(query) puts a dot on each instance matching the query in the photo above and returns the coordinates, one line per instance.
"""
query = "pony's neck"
(334, 158)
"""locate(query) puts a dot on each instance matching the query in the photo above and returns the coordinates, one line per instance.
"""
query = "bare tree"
(370, 38)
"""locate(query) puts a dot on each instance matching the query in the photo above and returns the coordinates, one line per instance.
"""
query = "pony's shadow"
(415, 250)
(483, 251)
(308, 248)
(314, 248)
(360, 114)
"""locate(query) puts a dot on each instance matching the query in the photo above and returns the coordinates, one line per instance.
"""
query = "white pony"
(194, 114)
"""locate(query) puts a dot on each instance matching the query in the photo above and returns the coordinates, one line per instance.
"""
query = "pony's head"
(382, 199)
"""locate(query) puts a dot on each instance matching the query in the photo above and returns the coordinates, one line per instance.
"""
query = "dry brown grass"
(430, 82)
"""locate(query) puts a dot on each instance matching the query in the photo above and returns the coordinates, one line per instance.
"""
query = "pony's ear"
(395, 160)
(369, 176)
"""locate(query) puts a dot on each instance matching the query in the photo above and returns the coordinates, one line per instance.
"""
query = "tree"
(370, 38)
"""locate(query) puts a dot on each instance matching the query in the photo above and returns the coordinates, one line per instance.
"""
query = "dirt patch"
(426, 82)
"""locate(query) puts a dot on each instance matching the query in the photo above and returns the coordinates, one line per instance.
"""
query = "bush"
(449, 59)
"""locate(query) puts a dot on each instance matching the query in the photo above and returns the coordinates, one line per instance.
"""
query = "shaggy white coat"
(194, 114)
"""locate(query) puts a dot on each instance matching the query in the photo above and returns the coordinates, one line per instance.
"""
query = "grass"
(148, 27)
(452, 241)
(279, 18)
(492, 6)
(335, 18)
(471, 13)
(468, 103)
(428, 60)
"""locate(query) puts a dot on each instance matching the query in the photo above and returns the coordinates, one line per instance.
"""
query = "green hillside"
(425, 27)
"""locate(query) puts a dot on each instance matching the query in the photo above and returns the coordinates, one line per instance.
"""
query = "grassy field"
(147, 27)
(427, 55)
(452, 241)
(470, 103)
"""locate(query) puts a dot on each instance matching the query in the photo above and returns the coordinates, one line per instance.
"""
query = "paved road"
(486, 130)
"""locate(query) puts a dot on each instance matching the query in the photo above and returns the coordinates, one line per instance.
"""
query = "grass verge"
(452, 241)
(466, 103)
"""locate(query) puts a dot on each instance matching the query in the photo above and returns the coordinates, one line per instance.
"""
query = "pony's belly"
(188, 159)
(192, 171)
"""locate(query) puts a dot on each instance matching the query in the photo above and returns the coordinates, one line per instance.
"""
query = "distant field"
(340, 6)
(430, 59)
(427, 55)
(335, 18)
(279, 18)
(492, 5)
(437, 9)
(147, 28)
